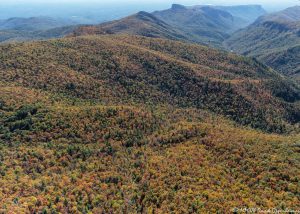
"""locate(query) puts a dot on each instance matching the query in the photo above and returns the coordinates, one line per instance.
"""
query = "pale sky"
(228, 2)
(266, 3)
(113, 9)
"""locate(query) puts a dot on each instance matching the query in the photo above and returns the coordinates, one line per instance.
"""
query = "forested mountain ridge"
(112, 124)
(274, 39)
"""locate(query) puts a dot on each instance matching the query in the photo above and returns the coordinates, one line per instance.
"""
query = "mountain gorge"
(274, 39)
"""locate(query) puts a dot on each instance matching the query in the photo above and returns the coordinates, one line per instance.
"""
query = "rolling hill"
(119, 123)
(274, 39)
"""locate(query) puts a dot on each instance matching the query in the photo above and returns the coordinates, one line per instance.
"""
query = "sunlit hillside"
(129, 124)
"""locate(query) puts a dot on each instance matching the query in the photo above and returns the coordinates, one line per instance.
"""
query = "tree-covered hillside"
(128, 124)
(138, 69)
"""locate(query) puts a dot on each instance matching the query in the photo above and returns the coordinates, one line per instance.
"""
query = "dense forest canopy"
(133, 124)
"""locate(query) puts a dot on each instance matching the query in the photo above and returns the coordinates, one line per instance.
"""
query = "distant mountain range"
(209, 25)
(200, 24)
(34, 28)
(274, 39)
(34, 23)
(7, 36)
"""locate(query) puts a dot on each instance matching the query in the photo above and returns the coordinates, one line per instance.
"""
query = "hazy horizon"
(93, 11)
(266, 3)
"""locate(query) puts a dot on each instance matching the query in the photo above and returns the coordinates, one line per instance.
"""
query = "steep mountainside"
(142, 23)
(128, 124)
(204, 24)
(274, 39)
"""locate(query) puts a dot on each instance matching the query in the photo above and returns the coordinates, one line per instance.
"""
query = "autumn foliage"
(121, 124)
